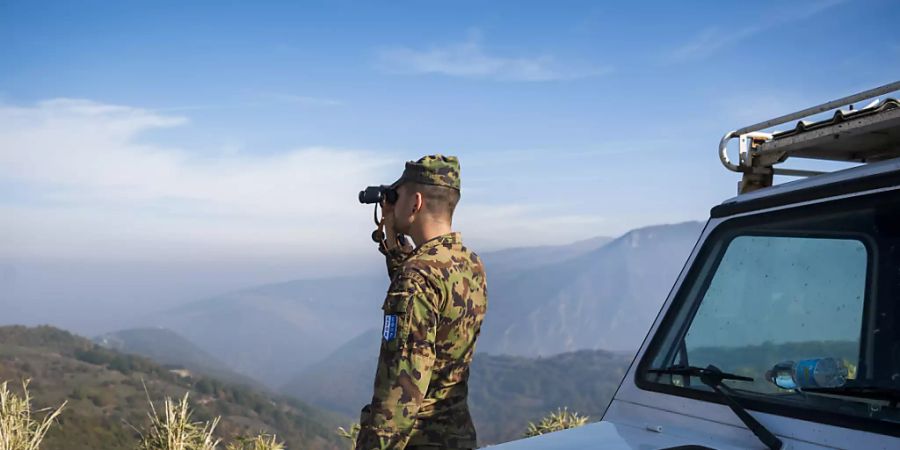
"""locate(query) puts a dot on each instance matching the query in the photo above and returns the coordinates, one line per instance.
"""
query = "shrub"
(562, 419)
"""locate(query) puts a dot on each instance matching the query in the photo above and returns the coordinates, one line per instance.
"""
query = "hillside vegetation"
(106, 396)
(505, 392)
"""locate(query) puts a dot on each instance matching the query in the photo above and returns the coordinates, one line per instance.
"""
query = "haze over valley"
(573, 312)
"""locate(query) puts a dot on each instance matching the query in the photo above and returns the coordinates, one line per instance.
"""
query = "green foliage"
(350, 434)
(561, 419)
(18, 429)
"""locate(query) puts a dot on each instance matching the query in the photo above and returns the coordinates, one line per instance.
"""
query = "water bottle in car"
(808, 373)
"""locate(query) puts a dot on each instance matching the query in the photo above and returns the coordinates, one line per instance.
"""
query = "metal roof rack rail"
(869, 134)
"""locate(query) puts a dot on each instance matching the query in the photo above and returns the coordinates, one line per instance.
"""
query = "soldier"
(432, 316)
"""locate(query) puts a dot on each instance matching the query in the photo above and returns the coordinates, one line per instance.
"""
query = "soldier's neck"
(428, 231)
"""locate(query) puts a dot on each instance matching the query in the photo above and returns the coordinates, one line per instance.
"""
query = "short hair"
(440, 201)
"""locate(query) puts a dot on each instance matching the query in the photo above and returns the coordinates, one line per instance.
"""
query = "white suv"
(783, 329)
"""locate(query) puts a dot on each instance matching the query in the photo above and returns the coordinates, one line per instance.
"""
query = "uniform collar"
(447, 240)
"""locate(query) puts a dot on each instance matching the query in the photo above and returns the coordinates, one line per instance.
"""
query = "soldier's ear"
(419, 202)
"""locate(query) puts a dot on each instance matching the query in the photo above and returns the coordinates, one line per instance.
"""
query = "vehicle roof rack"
(869, 134)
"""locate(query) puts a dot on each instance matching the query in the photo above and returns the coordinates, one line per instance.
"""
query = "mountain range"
(606, 298)
(596, 294)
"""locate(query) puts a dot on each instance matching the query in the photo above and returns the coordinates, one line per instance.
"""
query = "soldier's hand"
(392, 239)
(387, 222)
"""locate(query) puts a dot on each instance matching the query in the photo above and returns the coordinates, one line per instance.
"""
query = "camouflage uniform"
(432, 316)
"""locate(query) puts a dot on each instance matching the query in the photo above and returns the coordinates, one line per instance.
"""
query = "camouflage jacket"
(432, 316)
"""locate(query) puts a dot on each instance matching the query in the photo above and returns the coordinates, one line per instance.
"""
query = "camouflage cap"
(438, 170)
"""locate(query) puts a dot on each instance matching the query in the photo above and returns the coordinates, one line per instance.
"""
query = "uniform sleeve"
(405, 364)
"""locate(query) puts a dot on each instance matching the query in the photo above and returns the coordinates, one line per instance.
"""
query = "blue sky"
(192, 130)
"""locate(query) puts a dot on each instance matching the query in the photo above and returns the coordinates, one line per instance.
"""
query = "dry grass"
(19, 430)
(562, 419)
(174, 430)
(260, 442)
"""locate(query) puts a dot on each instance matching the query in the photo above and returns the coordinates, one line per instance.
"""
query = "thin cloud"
(470, 59)
(89, 184)
(303, 100)
(714, 39)
(709, 42)
(259, 100)
(78, 183)
(503, 226)
(744, 109)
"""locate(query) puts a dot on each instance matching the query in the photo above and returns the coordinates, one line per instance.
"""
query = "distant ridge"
(171, 350)
(523, 258)
(270, 332)
(603, 299)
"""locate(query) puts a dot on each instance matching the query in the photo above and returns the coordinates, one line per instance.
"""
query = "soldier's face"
(408, 204)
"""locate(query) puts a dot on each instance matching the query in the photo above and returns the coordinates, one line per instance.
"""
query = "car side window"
(774, 299)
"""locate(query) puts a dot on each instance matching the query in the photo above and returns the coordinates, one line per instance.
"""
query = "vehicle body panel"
(644, 419)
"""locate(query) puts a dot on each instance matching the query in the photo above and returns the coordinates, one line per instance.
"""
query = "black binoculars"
(375, 194)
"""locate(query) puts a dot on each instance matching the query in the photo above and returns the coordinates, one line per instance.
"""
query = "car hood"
(606, 435)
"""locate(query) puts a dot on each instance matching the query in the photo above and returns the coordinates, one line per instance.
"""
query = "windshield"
(799, 301)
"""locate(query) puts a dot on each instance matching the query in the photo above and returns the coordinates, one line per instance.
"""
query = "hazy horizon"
(155, 155)
(96, 297)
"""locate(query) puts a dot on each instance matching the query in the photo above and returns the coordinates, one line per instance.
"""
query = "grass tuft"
(19, 430)
(350, 434)
(172, 429)
(260, 442)
(561, 419)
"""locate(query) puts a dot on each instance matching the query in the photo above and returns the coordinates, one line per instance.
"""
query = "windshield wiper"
(710, 371)
(861, 391)
(713, 377)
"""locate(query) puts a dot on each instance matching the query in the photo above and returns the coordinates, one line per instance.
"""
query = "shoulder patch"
(414, 276)
(389, 332)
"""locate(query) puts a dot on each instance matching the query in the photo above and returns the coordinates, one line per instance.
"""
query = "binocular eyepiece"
(375, 194)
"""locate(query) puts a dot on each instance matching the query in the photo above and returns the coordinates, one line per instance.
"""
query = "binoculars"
(377, 194)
